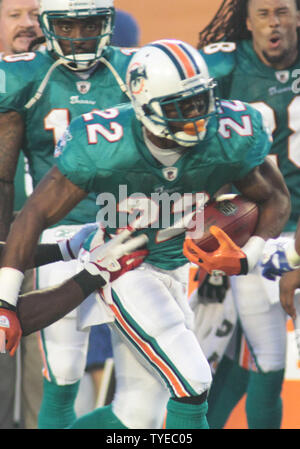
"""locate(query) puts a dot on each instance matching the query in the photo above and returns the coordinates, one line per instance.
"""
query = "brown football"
(235, 214)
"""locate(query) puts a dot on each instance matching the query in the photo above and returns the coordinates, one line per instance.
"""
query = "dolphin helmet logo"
(137, 76)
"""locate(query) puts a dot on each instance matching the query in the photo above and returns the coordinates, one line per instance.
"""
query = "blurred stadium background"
(160, 19)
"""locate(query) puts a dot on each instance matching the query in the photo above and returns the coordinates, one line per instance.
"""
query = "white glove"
(116, 257)
(70, 248)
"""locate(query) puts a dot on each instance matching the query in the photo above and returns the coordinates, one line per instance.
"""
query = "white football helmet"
(61, 9)
(171, 75)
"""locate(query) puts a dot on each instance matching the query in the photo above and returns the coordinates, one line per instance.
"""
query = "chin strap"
(43, 84)
(116, 75)
(61, 61)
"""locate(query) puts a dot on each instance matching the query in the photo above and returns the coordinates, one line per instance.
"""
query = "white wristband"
(10, 283)
(253, 250)
(292, 256)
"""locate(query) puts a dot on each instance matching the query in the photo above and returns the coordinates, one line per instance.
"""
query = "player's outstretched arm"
(39, 309)
(45, 253)
(107, 263)
(66, 249)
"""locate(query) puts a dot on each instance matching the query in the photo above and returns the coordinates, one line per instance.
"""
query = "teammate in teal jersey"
(178, 139)
(252, 48)
(19, 26)
(40, 93)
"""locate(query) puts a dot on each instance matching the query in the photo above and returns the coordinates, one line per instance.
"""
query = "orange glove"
(227, 259)
(10, 325)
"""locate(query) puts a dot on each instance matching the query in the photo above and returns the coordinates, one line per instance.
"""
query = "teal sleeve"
(261, 144)
(220, 62)
(16, 86)
(71, 157)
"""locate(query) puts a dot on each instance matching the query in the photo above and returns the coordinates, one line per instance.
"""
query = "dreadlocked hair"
(229, 23)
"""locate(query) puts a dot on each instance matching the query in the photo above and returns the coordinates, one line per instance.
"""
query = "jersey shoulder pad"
(27, 63)
(237, 108)
(87, 128)
(78, 154)
(220, 58)
(17, 73)
(250, 137)
(119, 57)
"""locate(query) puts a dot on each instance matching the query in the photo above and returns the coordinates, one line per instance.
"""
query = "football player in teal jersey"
(40, 93)
(252, 48)
(175, 139)
(19, 26)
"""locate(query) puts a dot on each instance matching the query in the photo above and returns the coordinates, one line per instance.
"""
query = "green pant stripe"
(176, 383)
(240, 334)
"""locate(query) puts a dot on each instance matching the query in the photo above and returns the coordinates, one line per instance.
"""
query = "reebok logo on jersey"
(282, 76)
(170, 173)
(83, 87)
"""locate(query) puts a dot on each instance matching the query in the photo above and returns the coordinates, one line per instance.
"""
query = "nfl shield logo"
(83, 86)
(170, 173)
(282, 76)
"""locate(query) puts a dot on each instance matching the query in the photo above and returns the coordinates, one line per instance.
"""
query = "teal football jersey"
(105, 152)
(66, 95)
(275, 93)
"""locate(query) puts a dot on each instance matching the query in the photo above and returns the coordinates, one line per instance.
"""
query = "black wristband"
(244, 266)
(47, 253)
(7, 306)
(88, 282)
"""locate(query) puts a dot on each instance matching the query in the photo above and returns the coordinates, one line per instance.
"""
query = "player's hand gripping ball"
(229, 222)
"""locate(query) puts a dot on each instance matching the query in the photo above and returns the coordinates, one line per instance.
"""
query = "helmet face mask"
(172, 92)
(183, 115)
(98, 12)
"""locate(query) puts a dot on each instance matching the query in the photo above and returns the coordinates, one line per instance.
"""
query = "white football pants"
(64, 346)
(156, 352)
